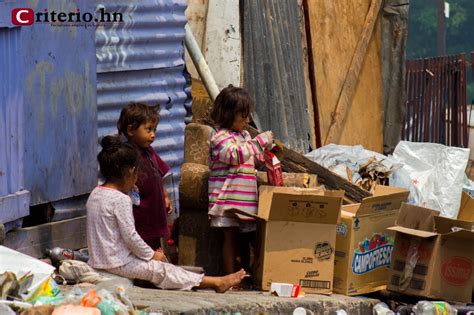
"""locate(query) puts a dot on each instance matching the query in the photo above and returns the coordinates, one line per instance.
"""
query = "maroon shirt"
(151, 216)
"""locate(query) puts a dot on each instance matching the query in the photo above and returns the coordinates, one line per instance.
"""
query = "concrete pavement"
(244, 302)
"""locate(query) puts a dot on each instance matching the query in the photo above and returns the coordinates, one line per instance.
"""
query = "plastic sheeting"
(433, 173)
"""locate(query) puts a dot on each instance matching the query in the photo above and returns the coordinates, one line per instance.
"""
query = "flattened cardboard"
(298, 236)
(363, 246)
(444, 268)
(418, 218)
(466, 210)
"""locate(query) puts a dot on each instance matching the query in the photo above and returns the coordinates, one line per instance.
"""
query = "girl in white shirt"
(114, 244)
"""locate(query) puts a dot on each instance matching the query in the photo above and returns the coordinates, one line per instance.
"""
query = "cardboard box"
(297, 237)
(433, 256)
(466, 209)
(363, 245)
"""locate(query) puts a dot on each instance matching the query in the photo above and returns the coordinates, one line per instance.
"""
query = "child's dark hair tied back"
(116, 157)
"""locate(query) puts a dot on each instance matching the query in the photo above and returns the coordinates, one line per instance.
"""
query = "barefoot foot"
(226, 282)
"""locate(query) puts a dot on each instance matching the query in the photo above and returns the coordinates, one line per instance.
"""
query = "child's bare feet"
(226, 282)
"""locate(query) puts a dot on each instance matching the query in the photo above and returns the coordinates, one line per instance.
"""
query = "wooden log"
(297, 163)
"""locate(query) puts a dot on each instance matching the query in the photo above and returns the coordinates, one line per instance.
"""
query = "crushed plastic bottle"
(382, 309)
(59, 254)
(434, 308)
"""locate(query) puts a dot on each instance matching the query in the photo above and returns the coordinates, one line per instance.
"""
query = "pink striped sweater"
(232, 178)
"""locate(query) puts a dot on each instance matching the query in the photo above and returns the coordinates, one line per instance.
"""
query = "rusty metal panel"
(274, 71)
(436, 101)
(142, 60)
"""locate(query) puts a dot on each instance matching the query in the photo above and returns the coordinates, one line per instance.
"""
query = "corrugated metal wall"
(274, 71)
(52, 75)
(143, 60)
(60, 105)
(14, 200)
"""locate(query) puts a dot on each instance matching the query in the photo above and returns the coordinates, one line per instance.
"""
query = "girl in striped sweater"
(232, 179)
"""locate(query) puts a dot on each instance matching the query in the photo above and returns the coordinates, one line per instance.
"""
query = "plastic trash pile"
(27, 287)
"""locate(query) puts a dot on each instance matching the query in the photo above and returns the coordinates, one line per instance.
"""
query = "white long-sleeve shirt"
(111, 235)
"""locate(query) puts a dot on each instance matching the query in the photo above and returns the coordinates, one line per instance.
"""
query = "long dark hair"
(115, 158)
(231, 101)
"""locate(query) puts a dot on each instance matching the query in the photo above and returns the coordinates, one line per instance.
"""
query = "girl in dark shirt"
(138, 124)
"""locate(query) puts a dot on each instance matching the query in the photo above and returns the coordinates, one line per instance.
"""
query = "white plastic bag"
(20, 264)
(433, 173)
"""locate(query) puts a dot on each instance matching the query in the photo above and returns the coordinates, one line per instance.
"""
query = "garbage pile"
(28, 286)
(359, 166)
(433, 173)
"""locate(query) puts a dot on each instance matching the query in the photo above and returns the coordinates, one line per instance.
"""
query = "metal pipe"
(200, 63)
(204, 71)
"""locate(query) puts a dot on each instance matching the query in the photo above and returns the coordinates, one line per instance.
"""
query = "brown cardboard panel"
(414, 232)
(343, 255)
(299, 204)
(384, 203)
(382, 190)
(305, 208)
(461, 235)
(447, 225)
(364, 245)
(444, 264)
(414, 217)
(299, 253)
(466, 211)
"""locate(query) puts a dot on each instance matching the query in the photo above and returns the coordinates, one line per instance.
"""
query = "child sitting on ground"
(114, 244)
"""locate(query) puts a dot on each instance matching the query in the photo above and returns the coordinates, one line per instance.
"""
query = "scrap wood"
(297, 163)
(373, 173)
(350, 82)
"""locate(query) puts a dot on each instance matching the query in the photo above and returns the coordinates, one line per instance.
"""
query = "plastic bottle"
(382, 309)
(59, 254)
(434, 308)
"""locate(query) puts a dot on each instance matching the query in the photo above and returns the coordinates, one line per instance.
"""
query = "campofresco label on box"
(372, 254)
(456, 270)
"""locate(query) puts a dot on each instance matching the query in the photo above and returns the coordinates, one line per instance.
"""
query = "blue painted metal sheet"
(149, 38)
(14, 200)
(60, 105)
(142, 60)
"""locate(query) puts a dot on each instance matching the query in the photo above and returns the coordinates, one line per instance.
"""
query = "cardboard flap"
(299, 205)
(447, 225)
(382, 203)
(463, 234)
(414, 232)
(382, 190)
(349, 210)
(241, 212)
(417, 218)
(466, 211)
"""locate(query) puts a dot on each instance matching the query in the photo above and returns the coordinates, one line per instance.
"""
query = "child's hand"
(168, 207)
(160, 256)
(269, 136)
